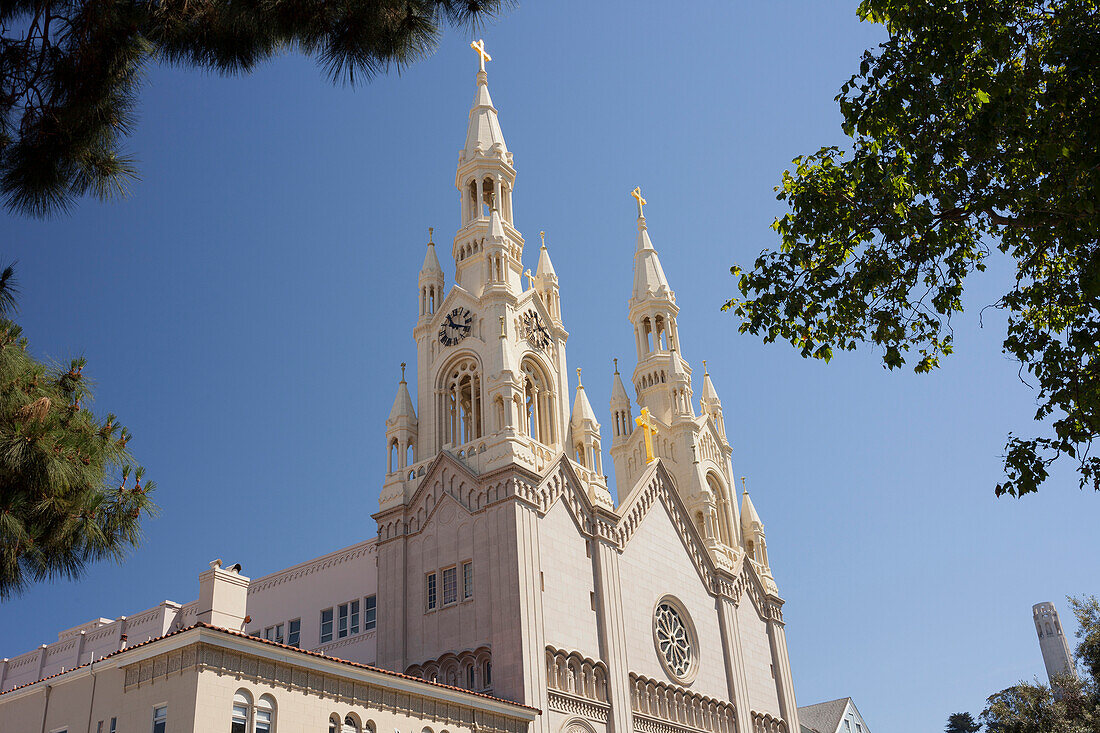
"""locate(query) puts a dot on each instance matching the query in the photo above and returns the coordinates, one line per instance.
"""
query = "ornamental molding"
(660, 707)
(347, 554)
(239, 665)
(766, 723)
(572, 705)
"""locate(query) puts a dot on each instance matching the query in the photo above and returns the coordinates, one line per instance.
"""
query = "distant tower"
(1052, 641)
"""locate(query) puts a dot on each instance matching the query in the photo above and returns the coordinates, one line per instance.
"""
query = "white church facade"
(505, 589)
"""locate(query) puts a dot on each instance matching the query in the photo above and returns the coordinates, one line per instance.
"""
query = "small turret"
(621, 409)
(586, 432)
(752, 530)
(401, 429)
(546, 281)
(679, 387)
(709, 403)
(430, 280)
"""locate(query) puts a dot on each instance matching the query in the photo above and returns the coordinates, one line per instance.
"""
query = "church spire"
(586, 432)
(485, 178)
(483, 133)
(649, 276)
(430, 280)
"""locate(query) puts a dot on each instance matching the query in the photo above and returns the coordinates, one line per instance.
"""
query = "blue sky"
(246, 308)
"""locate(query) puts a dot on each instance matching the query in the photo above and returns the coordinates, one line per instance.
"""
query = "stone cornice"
(321, 563)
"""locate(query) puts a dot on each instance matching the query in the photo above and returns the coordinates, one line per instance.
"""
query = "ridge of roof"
(268, 642)
(824, 717)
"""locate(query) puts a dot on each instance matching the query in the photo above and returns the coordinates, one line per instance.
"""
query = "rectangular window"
(370, 613)
(342, 623)
(114, 725)
(240, 719)
(467, 580)
(279, 634)
(326, 626)
(294, 632)
(99, 727)
(431, 591)
(269, 633)
(355, 616)
(160, 719)
(263, 721)
(450, 585)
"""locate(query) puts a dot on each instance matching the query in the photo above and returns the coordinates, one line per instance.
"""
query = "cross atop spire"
(637, 194)
(579, 377)
(402, 372)
(542, 236)
(479, 46)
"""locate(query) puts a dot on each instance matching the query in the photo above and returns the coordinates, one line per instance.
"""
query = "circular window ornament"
(675, 639)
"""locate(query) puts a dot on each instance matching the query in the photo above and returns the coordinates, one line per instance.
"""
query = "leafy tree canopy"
(962, 723)
(975, 127)
(70, 70)
(66, 496)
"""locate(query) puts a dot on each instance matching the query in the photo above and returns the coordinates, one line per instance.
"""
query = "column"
(735, 659)
(612, 635)
(783, 683)
(536, 428)
(475, 392)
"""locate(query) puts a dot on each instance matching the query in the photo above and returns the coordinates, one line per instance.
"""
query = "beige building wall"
(567, 584)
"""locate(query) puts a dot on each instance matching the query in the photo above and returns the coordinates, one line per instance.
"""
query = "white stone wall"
(302, 591)
(567, 582)
(756, 648)
(655, 563)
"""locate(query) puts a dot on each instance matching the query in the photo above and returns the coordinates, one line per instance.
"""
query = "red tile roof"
(357, 665)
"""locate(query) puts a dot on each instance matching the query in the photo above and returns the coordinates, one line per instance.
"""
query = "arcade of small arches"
(470, 670)
(350, 723)
(578, 675)
(431, 295)
(588, 455)
(650, 380)
(482, 195)
(252, 717)
(669, 702)
(656, 334)
(624, 423)
(400, 454)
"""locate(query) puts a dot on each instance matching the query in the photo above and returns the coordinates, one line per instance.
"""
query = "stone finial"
(616, 365)
(402, 371)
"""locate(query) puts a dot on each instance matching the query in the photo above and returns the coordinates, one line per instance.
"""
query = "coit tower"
(1052, 641)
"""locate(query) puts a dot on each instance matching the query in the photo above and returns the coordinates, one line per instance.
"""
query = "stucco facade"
(502, 564)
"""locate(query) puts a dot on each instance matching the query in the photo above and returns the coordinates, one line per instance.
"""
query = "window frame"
(453, 570)
(164, 719)
(331, 625)
(467, 579)
(370, 613)
(295, 633)
(431, 591)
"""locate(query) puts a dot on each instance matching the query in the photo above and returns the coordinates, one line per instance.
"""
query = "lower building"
(834, 716)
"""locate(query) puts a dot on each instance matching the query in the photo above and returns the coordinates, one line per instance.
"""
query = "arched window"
(265, 714)
(334, 723)
(470, 677)
(242, 710)
(487, 674)
(460, 402)
(539, 403)
(722, 502)
(351, 724)
(370, 727)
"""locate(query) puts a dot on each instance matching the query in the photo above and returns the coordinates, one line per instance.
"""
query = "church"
(505, 589)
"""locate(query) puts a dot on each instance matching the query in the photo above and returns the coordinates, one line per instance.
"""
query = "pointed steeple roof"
(582, 408)
(431, 260)
(402, 402)
(649, 276)
(749, 517)
(676, 365)
(709, 393)
(546, 267)
(496, 225)
(618, 391)
(483, 130)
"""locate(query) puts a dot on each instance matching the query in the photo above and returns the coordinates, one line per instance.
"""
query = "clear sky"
(246, 309)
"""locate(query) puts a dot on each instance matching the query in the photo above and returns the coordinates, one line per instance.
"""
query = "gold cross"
(579, 377)
(479, 46)
(637, 193)
(649, 426)
(530, 278)
(542, 236)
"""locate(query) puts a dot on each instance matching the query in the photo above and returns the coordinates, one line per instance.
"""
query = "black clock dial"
(537, 334)
(456, 326)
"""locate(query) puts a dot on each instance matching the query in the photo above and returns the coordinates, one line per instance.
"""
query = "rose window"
(673, 639)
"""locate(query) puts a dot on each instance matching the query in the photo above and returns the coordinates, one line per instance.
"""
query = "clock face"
(538, 335)
(456, 326)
